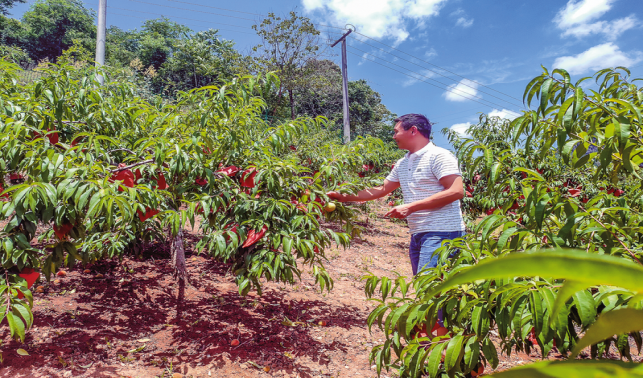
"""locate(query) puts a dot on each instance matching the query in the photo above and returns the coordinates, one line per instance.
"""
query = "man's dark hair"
(418, 120)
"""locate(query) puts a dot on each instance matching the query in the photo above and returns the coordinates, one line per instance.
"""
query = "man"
(432, 188)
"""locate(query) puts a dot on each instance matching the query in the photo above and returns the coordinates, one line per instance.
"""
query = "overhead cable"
(435, 65)
(142, 17)
(461, 82)
(427, 82)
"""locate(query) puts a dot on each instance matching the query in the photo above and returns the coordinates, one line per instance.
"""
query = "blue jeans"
(423, 246)
(421, 252)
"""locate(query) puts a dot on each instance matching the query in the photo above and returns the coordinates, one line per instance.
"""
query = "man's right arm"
(366, 194)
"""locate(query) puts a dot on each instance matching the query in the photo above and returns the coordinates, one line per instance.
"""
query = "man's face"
(403, 137)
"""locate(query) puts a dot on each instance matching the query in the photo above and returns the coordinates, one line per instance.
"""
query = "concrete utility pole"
(100, 36)
(347, 123)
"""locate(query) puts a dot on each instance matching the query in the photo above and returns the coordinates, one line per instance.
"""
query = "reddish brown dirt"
(96, 327)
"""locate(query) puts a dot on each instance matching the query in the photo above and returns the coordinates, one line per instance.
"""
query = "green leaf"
(557, 263)
(490, 353)
(575, 369)
(585, 306)
(435, 359)
(616, 322)
(569, 288)
(454, 349)
(544, 94)
(16, 326)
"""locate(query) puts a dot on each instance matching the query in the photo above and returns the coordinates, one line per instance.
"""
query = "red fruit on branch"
(292, 147)
(16, 176)
(149, 213)
(477, 371)
(515, 206)
(574, 192)
(52, 135)
(124, 175)
(468, 194)
(248, 178)
(232, 229)
(610, 190)
(316, 249)
(161, 184)
(229, 171)
(391, 203)
(63, 230)
(619, 192)
(584, 200)
(476, 178)
(31, 276)
(361, 174)
(490, 211)
(523, 175)
(254, 236)
(6, 195)
(201, 181)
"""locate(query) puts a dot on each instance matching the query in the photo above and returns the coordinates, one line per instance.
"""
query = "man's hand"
(337, 196)
(399, 212)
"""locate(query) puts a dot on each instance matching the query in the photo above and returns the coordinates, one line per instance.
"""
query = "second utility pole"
(100, 36)
(347, 123)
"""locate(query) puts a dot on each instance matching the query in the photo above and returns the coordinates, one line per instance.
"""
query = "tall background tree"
(51, 26)
(6, 4)
(288, 44)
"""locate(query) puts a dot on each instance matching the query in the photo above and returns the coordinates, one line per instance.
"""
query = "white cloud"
(581, 11)
(504, 113)
(464, 22)
(575, 19)
(611, 29)
(431, 53)
(376, 18)
(462, 91)
(461, 128)
(596, 58)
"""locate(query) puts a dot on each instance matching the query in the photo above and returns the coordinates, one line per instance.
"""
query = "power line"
(447, 87)
(438, 73)
(184, 18)
(193, 10)
(427, 82)
(209, 6)
(217, 14)
(435, 65)
(205, 22)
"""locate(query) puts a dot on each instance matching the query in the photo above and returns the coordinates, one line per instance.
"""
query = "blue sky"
(483, 53)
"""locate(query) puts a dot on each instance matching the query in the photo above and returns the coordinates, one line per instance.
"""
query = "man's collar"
(420, 152)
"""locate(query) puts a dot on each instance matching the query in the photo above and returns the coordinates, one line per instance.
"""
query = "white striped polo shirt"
(419, 174)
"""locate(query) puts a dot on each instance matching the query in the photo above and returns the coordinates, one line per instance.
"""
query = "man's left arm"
(453, 191)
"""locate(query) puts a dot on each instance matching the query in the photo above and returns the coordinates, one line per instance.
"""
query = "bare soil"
(136, 321)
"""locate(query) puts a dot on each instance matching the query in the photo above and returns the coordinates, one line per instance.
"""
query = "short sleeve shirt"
(419, 174)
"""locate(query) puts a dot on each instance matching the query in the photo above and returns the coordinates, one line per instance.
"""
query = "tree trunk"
(274, 112)
(178, 256)
(292, 104)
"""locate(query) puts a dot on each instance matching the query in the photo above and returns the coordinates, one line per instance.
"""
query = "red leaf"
(63, 230)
